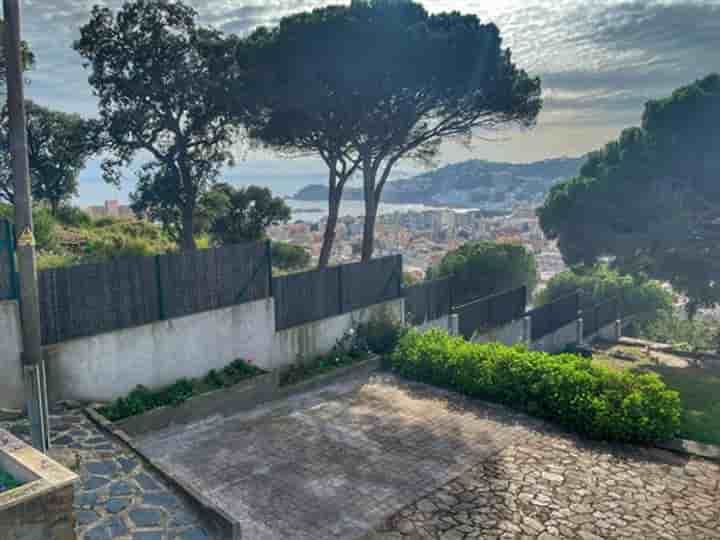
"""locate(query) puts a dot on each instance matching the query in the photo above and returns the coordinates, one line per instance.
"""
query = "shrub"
(380, 336)
(599, 284)
(568, 389)
(142, 399)
(72, 216)
(692, 336)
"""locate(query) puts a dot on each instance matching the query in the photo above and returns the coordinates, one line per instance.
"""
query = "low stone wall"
(570, 334)
(513, 333)
(42, 508)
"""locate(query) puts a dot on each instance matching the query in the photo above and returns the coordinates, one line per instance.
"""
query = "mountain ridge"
(467, 183)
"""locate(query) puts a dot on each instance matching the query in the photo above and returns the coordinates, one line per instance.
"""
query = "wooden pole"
(33, 364)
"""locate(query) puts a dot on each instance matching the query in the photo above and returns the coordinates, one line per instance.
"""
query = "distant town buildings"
(111, 208)
(424, 237)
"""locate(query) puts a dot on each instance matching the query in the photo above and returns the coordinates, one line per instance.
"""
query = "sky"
(599, 61)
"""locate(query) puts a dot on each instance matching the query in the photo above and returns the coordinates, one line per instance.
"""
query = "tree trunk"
(187, 240)
(329, 238)
(54, 204)
(368, 243)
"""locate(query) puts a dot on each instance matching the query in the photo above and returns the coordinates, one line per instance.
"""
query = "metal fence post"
(454, 324)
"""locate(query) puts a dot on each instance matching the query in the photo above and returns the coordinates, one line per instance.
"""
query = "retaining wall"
(513, 333)
(570, 334)
(109, 365)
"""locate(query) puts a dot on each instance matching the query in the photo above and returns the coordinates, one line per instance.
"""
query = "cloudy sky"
(599, 61)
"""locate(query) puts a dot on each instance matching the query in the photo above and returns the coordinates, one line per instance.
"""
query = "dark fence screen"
(551, 317)
(306, 297)
(201, 280)
(491, 312)
(365, 284)
(427, 301)
(7, 261)
(319, 294)
(95, 298)
(90, 299)
(600, 315)
(468, 286)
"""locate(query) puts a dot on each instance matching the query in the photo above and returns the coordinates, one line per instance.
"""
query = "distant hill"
(469, 183)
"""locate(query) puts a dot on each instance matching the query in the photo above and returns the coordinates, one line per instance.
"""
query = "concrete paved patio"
(386, 459)
(334, 463)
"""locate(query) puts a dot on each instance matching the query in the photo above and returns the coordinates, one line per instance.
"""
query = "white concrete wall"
(611, 332)
(319, 337)
(443, 323)
(107, 366)
(512, 333)
(570, 334)
(11, 377)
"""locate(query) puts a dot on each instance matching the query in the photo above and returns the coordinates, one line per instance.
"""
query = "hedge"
(568, 389)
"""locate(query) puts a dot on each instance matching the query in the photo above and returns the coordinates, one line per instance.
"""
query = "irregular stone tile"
(145, 517)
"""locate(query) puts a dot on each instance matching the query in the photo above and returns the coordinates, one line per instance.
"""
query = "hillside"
(469, 183)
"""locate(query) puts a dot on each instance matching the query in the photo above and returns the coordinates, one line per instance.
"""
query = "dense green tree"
(385, 80)
(161, 81)
(288, 257)
(485, 268)
(248, 212)
(299, 110)
(638, 295)
(59, 145)
(651, 199)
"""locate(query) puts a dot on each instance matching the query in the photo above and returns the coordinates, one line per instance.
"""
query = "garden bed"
(243, 396)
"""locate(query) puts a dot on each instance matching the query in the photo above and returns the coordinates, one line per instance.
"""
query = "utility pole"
(33, 363)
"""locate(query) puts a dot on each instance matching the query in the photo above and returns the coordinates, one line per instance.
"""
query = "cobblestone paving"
(117, 498)
(553, 486)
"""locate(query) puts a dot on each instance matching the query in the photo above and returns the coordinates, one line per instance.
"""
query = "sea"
(314, 211)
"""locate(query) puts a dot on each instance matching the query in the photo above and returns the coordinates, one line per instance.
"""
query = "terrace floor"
(382, 459)
(385, 459)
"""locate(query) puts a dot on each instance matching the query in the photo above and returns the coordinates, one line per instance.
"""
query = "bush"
(379, 336)
(289, 257)
(142, 399)
(691, 336)
(600, 284)
(72, 216)
(568, 389)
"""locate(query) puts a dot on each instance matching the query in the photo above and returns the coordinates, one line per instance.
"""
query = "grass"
(7, 482)
(699, 389)
(143, 399)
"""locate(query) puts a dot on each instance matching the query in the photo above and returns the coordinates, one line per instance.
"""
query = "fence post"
(454, 324)
(580, 328)
(527, 330)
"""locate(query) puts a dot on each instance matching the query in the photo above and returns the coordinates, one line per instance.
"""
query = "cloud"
(600, 60)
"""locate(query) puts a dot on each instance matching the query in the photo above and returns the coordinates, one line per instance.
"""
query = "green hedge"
(592, 400)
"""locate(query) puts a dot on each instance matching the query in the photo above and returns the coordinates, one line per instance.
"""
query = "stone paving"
(117, 498)
(554, 486)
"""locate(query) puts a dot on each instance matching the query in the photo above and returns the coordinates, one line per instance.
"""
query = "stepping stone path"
(117, 497)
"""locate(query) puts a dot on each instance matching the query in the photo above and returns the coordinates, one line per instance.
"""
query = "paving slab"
(334, 463)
